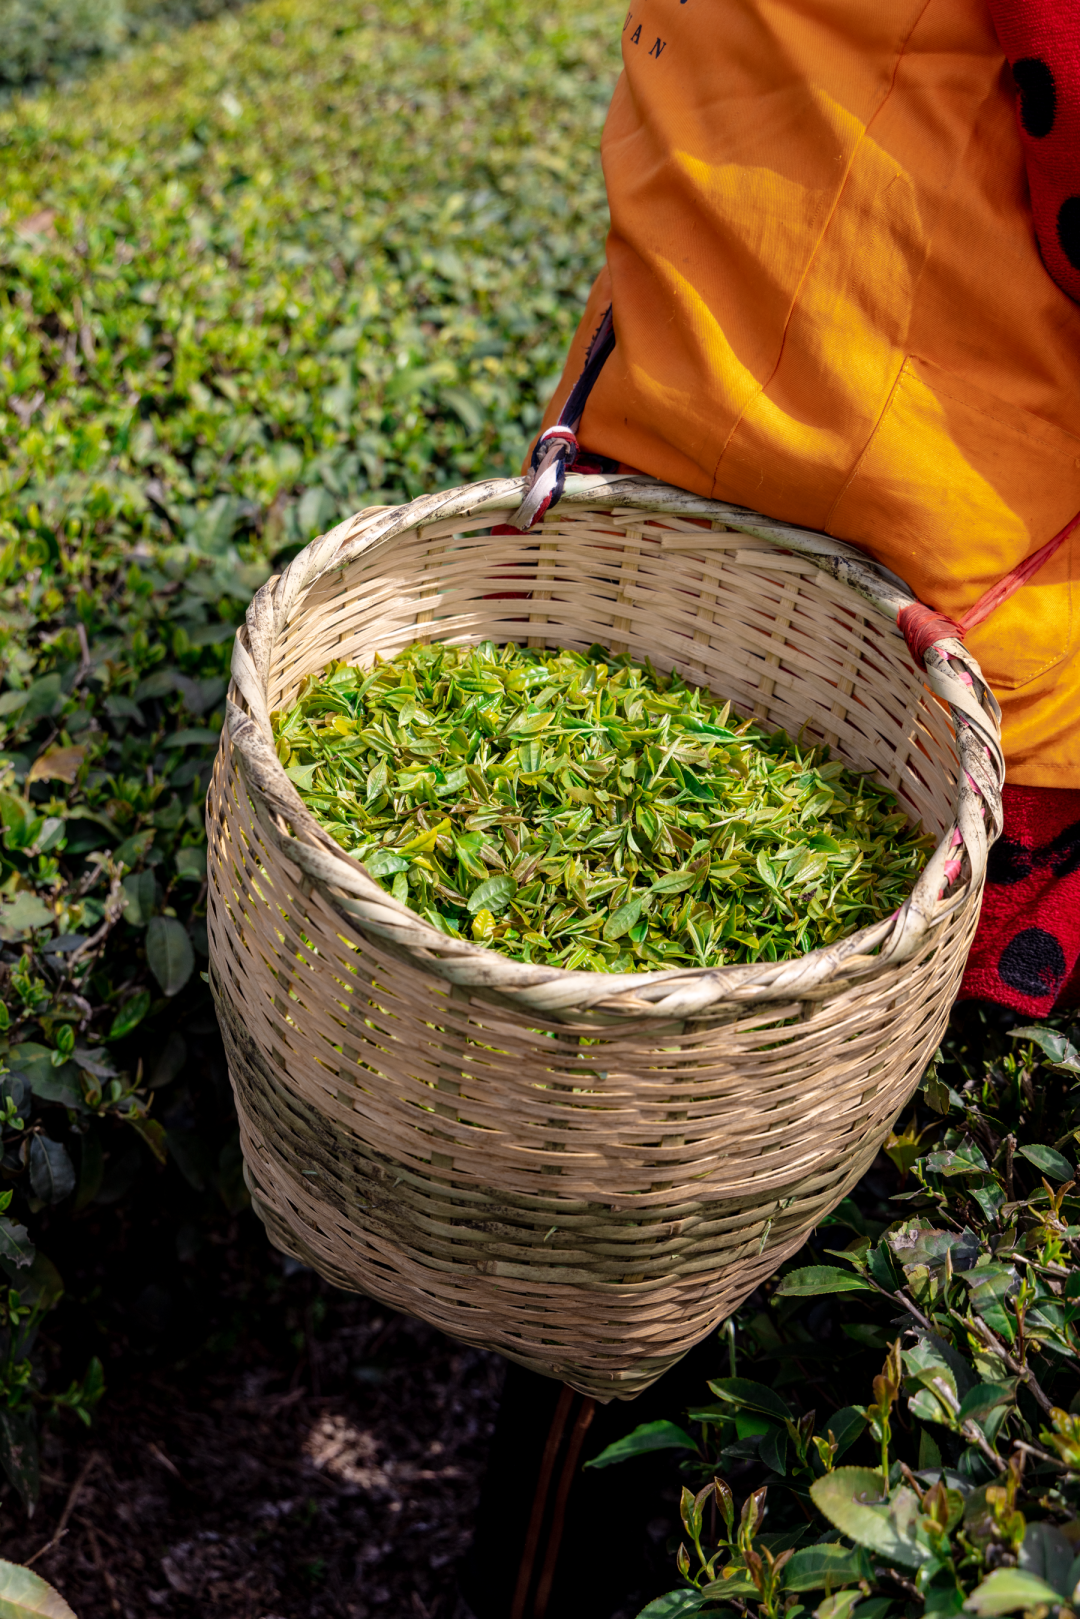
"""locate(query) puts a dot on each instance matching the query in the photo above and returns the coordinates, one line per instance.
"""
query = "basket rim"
(952, 877)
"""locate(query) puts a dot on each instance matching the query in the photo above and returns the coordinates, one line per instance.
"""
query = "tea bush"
(952, 1477)
(310, 257)
(51, 39)
(307, 258)
(40, 36)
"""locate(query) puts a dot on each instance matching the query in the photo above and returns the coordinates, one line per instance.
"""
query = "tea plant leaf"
(750, 1396)
(590, 808)
(191, 863)
(130, 1015)
(15, 1244)
(852, 1499)
(20, 916)
(140, 891)
(31, 1059)
(622, 920)
(815, 1567)
(168, 953)
(841, 1605)
(1047, 1554)
(773, 1449)
(25, 1595)
(965, 1159)
(493, 895)
(649, 1437)
(20, 1461)
(58, 1084)
(1048, 1161)
(1009, 1590)
(979, 1401)
(1056, 1046)
(57, 764)
(675, 1604)
(845, 1425)
(385, 863)
(303, 776)
(52, 1174)
(812, 1281)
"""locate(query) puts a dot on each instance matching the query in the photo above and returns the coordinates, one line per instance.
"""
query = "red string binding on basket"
(556, 449)
(921, 626)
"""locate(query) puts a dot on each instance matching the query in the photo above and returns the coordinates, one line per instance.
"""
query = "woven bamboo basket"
(584, 1171)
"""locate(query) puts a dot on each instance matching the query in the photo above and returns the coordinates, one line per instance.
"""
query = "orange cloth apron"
(829, 306)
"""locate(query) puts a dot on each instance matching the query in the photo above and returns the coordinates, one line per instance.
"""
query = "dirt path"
(328, 1469)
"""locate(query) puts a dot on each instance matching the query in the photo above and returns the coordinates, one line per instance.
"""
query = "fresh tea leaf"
(24, 1594)
(812, 1281)
(1010, 1590)
(649, 1437)
(1048, 1162)
(52, 1174)
(591, 809)
(168, 953)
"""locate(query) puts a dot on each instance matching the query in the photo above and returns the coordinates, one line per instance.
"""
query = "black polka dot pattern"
(1033, 962)
(1010, 862)
(1038, 95)
(1068, 229)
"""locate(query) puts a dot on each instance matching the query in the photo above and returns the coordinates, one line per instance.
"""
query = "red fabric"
(1016, 579)
(921, 627)
(1027, 950)
(1041, 38)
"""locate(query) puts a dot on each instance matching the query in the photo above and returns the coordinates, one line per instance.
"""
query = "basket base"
(368, 1228)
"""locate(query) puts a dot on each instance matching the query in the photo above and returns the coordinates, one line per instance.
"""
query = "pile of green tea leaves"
(585, 812)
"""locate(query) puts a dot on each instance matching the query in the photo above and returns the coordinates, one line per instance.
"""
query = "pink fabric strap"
(921, 626)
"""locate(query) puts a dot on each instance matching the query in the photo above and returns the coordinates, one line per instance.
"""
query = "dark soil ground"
(271, 1448)
(320, 1461)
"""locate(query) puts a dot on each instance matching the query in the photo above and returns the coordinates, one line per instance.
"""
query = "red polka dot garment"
(1027, 950)
(1041, 38)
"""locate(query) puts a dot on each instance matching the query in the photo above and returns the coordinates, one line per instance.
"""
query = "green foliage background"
(950, 1481)
(302, 259)
(308, 257)
(53, 39)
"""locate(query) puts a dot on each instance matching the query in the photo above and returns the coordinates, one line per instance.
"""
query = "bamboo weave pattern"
(585, 1171)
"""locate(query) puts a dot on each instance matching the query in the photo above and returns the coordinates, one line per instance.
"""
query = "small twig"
(114, 909)
(905, 1585)
(168, 1464)
(76, 1489)
(25, 408)
(69, 1506)
(90, 879)
(992, 1341)
(48, 1547)
(1053, 1271)
(99, 1564)
(899, 1298)
(1043, 1455)
(87, 662)
(974, 1437)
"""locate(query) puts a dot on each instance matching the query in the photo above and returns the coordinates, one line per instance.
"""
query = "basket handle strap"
(557, 448)
(921, 626)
